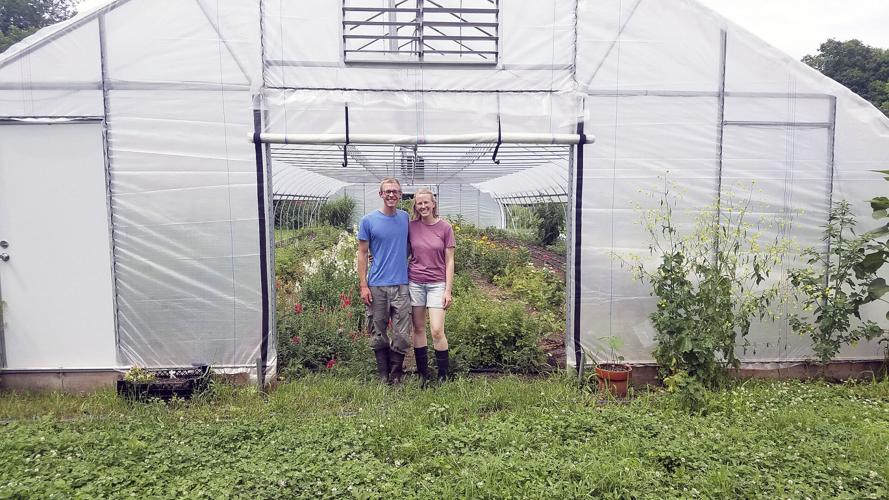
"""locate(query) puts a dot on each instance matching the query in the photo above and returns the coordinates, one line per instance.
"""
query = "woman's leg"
(440, 342)
(421, 352)
(418, 318)
(436, 326)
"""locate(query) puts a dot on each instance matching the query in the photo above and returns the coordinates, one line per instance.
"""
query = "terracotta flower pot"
(614, 377)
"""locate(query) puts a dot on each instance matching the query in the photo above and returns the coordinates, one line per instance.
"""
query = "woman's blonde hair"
(416, 214)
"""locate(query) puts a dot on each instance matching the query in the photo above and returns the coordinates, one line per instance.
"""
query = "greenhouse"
(148, 147)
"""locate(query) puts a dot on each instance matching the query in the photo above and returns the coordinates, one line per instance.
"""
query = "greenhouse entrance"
(513, 245)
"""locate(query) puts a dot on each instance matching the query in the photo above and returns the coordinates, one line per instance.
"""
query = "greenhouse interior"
(173, 146)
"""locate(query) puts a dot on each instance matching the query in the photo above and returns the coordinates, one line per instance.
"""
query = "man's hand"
(366, 297)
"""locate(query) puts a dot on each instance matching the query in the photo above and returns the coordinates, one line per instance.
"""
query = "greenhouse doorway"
(317, 186)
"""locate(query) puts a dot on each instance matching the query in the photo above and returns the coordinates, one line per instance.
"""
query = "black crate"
(179, 382)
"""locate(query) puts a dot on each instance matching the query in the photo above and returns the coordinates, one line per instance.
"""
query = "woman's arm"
(449, 276)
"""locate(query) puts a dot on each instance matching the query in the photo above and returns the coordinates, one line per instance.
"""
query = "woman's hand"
(446, 299)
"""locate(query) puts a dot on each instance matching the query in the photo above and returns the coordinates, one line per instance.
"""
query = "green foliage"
(20, 18)
(861, 68)
(320, 316)
(299, 214)
(522, 221)
(302, 246)
(476, 251)
(407, 205)
(507, 437)
(138, 375)
(538, 287)
(320, 337)
(835, 286)
(484, 334)
(552, 222)
(337, 213)
(710, 285)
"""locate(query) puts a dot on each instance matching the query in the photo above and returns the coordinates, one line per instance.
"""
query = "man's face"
(391, 194)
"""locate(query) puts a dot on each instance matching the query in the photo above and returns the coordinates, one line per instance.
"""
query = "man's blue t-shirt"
(387, 239)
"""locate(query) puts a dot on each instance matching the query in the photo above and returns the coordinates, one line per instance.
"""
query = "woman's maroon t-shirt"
(428, 244)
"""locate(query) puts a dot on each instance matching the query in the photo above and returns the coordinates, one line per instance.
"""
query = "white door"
(55, 272)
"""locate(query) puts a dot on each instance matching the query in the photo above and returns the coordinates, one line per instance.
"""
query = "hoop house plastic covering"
(663, 86)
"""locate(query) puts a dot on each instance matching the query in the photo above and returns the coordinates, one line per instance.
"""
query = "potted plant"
(614, 376)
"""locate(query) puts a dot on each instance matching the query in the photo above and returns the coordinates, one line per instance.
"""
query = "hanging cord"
(499, 141)
(346, 145)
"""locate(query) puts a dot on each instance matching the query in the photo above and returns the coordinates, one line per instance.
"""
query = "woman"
(430, 277)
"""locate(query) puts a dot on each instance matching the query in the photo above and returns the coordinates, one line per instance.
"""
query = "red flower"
(331, 363)
(295, 340)
(298, 308)
(277, 284)
(345, 301)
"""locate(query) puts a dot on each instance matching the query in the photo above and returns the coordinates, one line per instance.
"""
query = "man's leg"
(379, 322)
(400, 313)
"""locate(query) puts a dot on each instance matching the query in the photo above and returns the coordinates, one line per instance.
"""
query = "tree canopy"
(861, 68)
(20, 18)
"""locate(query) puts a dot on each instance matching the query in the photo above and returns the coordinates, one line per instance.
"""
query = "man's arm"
(362, 272)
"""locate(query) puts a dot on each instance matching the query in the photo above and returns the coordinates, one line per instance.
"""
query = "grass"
(329, 436)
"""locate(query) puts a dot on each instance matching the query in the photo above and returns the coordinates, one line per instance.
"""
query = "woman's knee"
(438, 333)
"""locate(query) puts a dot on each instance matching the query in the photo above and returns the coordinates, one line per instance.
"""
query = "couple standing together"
(411, 274)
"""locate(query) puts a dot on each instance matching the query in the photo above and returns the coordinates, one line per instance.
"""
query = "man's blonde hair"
(389, 180)
(416, 214)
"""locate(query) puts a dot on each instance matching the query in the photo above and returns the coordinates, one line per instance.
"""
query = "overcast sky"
(797, 27)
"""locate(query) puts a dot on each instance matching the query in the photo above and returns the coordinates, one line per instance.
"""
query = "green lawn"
(328, 436)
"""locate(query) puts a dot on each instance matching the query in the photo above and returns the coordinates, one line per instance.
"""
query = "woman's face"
(424, 204)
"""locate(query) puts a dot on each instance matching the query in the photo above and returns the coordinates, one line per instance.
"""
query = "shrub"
(485, 334)
(552, 222)
(320, 315)
(709, 285)
(337, 213)
(319, 338)
(540, 288)
(480, 253)
(304, 245)
(835, 286)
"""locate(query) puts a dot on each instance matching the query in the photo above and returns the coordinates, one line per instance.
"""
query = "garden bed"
(328, 436)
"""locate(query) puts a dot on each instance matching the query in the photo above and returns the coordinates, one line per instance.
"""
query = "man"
(384, 290)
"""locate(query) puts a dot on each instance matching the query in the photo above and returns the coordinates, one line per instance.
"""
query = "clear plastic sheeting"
(655, 79)
(667, 88)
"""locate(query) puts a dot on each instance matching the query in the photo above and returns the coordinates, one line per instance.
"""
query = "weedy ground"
(331, 436)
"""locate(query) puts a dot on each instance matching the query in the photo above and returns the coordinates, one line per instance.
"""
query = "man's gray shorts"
(390, 303)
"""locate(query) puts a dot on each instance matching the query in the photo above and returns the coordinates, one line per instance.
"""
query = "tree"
(861, 68)
(20, 18)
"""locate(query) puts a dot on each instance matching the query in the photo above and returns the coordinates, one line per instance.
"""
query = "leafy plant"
(484, 334)
(836, 285)
(539, 287)
(552, 222)
(337, 213)
(615, 344)
(138, 375)
(710, 284)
